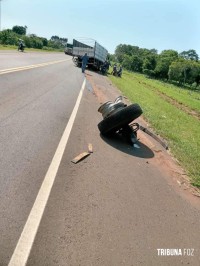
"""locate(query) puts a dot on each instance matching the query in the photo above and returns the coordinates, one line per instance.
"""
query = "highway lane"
(10, 59)
(35, 105)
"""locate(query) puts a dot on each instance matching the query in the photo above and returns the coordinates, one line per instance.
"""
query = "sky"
(158, 24)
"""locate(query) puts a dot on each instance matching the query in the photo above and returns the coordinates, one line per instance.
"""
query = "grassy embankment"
(173, 112)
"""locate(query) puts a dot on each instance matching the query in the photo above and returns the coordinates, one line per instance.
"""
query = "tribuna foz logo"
(175, 252)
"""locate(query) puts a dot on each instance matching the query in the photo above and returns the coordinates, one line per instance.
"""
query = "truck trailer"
(97, 54)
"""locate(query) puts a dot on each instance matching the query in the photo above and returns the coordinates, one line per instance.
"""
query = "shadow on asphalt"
(120, 144)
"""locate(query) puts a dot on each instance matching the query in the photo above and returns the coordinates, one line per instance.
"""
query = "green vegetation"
(12, 36)
(175, 124)
(182, 96)
(182, 69)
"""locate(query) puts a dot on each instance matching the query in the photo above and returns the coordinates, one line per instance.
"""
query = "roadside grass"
(8, 47)
(14, 47)
(187, 97)
(178, 128)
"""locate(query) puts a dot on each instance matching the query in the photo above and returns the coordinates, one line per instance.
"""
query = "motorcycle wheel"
(121, 118)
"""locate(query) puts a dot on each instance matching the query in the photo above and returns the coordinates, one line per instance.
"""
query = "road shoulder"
(163, 159)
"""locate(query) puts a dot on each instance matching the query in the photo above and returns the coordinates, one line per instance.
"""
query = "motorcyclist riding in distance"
(21, 45)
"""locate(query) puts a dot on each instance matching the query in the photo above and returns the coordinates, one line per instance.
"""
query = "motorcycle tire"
(121, 118)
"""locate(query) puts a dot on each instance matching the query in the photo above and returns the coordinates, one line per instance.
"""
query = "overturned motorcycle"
(117, 117)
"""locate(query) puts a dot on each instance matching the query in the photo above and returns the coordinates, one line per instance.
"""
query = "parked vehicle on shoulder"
(97, 54)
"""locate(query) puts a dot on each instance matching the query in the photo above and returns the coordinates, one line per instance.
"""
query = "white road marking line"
(15, 69)
(25, 242)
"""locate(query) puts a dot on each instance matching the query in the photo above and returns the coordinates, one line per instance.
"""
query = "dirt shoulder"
(104, 90)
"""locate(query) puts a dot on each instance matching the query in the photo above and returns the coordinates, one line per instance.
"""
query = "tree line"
(12, 37)
(180, 68)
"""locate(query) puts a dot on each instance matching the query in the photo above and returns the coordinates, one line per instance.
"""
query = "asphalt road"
(116, 207)
(35, 105)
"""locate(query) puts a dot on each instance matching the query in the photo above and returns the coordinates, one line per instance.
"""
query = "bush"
(8, 37)
(198, 88)
(194, 86)
(11, 37)
(149, 73)
(47, 48)
(37, 43)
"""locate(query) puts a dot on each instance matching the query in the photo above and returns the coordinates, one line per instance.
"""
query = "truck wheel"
(119, 119)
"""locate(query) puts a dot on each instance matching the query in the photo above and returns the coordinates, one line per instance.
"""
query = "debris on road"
(116, 119)
(90, 148)
(179, 183)
(80, 157)
(147, 131)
